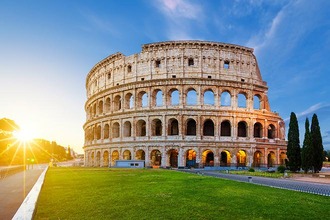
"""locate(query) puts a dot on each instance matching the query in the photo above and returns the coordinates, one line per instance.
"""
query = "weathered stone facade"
(182, 103)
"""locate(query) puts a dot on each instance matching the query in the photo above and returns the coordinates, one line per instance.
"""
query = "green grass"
(259, 173)
(83, 193)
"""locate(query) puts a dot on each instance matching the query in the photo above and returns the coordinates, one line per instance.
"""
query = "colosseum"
(182, 104)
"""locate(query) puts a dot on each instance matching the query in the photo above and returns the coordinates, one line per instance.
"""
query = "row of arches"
(174, 97)
(191, 128)
(189, 158)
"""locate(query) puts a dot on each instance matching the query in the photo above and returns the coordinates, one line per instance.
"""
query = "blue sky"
(48, 47)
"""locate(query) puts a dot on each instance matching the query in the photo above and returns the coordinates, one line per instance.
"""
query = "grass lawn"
(259, 173)
(86, 193)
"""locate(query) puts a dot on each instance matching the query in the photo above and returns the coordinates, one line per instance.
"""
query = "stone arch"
(174, 97)
(225, 158)
(208, 97)
(107, 104)
(173, 127)
(100, 107)
(142, 101)
(225, 128)
(155, 158)
(191, 127)
(208, 158)
(191, 97)
(225, 98)
(271, 159)
(241, 100)
(157, 97)
(98, 132)
(190, 158)
(127, 155)
(92, 160)
(129, 101)
(242, 129)
(116, 130)
(208, 128)
(114, 157)
(241, 158)
(257, 159)
(106, 131)
(141, 128)
(127, 129)
(140, 155)
(257, 130)
(98, 159)
(271, 131)
(156, 127)
(106, 158)
(256, 102)
(94, 109)
(283, 157)
(173, 158)
(117, 103)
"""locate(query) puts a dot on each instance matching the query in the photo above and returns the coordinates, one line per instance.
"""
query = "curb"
(27, 208)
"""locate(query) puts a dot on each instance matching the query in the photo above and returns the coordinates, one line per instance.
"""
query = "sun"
(24, 135)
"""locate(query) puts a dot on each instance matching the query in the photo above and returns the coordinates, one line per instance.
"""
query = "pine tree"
(293, 148)
(317, 144)
(307, 150)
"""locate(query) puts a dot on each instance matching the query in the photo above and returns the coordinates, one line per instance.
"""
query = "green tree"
(307, 150)
(317, 145)
(293, 148)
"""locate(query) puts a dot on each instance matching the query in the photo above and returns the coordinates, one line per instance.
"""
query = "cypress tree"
(307, 150)
(317, 144)
(293, 148)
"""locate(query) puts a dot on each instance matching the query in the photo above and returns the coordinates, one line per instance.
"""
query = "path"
(14, 188)
(296, 185)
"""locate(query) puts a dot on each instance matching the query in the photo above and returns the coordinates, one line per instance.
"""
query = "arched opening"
(257, 159)
(142, 99)
(92, 160)
(115, 130)
(94, 109)
(225, 129)
(208, 128)
(241, 103)
(256, 102)
(271, 159)
(208, 97)
(242, 130)
(140, 155)
(141, 128)
(114, 157)
(155, 158)
(191, 97)
(175, 97)
(173, 158)
(156, 127)
(117, 103)
(127, 129)
(241, 158)
(271, 131)
(225, 158)
(100, 107)
(106, 131)
(106, 159)
(107, 105)
(257, 130)
(191, 127)
(191, 158)
(173, 128)
(98, 132)
(129, 101)
(208, 158)
(98, 159)
(226, 64)
(225, 99)
(282, 158)
(159, 98)
(127, 155)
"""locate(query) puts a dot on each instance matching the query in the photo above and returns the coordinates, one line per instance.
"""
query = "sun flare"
(24, 135)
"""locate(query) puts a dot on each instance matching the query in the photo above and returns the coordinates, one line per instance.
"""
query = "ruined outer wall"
(118, 111)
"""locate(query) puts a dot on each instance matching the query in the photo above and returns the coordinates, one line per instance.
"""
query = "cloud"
(310, 110)
(179, 16)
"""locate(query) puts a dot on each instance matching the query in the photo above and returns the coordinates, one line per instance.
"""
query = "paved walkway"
(14, 188)
(291, 184)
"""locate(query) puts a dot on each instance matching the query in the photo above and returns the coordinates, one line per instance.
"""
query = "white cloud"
(310, 110)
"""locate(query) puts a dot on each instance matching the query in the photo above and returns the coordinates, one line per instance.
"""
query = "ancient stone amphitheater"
(182, 104)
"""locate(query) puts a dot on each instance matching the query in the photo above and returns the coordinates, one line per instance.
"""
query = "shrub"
(281, 169)
(251, 170)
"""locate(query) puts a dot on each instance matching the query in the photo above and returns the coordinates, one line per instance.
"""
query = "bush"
(251, 170)
(281, 169)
